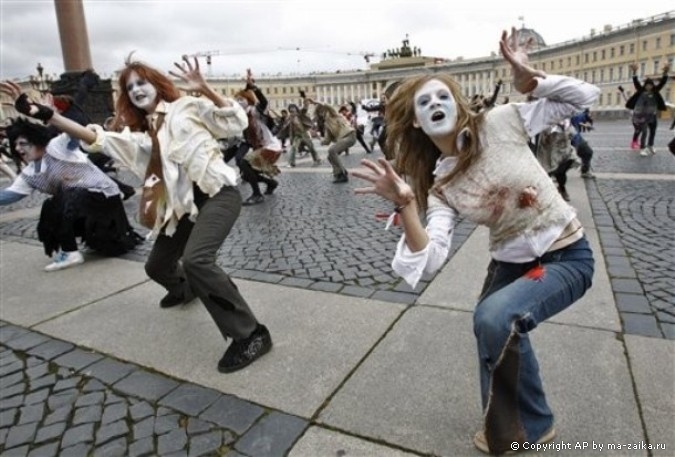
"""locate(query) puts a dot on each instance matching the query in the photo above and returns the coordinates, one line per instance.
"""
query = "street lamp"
(42, 83)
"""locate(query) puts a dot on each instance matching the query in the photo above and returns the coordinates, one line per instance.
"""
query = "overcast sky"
(265, 34)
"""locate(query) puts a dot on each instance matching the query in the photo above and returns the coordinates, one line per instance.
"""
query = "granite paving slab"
(318, 339)
(419, 387)
(30, 295)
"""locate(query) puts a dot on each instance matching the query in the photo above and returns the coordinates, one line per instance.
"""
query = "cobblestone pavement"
(57, 399)
(311, 234)
(636, 223)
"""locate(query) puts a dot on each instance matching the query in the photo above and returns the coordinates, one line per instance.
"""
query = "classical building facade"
(602, 58)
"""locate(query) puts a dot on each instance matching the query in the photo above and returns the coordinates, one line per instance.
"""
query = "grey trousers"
(197, 244)
(338, 147)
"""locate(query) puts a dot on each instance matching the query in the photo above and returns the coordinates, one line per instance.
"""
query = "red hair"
(130, 115)
(249, 96)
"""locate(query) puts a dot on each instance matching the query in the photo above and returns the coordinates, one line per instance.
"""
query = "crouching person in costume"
(84, 201)
(478, 166)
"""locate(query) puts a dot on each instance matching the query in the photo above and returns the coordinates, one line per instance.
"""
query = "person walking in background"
(583, 122)
(556, 154)
(646, 102)
(351, 116)
(339, 133)
(264, 149)
(189, 198)
(450, 163)
(296, 128)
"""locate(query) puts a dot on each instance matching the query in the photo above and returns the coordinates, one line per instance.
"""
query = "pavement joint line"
(358, 364)
(633, 385)
(370, 439)
(84, 305)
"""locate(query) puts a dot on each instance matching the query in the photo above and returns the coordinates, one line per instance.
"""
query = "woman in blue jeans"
(450, 163)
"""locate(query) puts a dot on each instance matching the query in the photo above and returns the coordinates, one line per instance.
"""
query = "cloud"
(262, 34)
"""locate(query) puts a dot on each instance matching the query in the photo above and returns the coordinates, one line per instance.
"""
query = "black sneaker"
(170, 300)
(341, 178)
(244, 352)
(253, 200)
(270, 187)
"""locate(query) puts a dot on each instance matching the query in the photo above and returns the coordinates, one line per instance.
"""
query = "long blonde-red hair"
(131, 116)
(415, 153)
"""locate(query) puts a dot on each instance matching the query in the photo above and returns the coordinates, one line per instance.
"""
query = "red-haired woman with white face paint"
(457, 163)
(189, 197)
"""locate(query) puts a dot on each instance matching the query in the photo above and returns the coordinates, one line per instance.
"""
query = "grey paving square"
(232, 413)
(147, 386)
(190, 399)
(272, 436)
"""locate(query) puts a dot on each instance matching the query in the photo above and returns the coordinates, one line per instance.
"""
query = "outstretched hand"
(515, 53)
(190, 74)
(25, 105)
(385, 182)
(10, 88)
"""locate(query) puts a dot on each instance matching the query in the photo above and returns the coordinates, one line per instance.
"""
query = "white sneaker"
(652, 150)
(64, 260)
(644, 152)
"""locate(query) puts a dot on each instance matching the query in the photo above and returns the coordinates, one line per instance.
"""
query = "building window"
(569, 62)
(672, 39)
(577, 60)
(543, 66)
(611, 75)
(622, 50)
(643, 68)
(644, 45)
(602, 55)
(631, 48)
(658, 43)
(657, 70)
(611, 53)
(586, 58)
(595, 56)
(620, 76)
(618, 98)
(593, 77)
(602, 75)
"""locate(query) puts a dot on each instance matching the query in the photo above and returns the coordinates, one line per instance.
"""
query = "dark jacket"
(660, 103)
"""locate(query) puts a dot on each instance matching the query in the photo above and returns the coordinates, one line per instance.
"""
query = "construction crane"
(210, 54)
(366, 55)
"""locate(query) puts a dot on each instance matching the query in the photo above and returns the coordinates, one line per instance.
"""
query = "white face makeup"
(142, 93)
(435, 109)
(26, 150)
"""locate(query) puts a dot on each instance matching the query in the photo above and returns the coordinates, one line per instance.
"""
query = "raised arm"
(46, 114)
(515, 53)
(192, 77)
(636, 81)
(664, 78)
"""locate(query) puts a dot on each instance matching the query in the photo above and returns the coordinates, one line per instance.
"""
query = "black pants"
(100, 221)
(585, 153)
(197, 243)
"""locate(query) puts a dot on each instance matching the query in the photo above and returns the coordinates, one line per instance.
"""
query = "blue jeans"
(515, 299)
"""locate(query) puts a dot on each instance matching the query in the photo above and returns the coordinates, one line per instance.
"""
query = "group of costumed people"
(447, 163)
